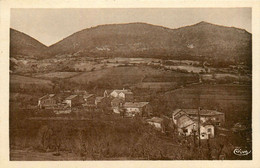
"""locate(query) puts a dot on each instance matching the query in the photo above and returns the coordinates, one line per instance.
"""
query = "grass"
(52, 75)
(14, 79)
(29, 85)
(128, 75)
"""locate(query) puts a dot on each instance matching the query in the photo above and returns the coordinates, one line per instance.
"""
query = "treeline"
(100, 140)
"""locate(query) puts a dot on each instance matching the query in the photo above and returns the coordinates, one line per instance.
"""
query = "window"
(217, 118)
(209, 129)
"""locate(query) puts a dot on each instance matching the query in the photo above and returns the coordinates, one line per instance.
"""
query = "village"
(200, 123)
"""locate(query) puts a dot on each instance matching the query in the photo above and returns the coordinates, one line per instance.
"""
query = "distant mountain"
(199, 41)
(202, 41)
(24, 46)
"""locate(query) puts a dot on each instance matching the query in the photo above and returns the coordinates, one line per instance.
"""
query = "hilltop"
(22, 45)
(201, 41)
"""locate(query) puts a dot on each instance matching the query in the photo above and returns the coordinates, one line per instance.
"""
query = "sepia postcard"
(141, 84)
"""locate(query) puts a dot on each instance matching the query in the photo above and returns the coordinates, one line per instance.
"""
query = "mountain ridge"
(140, 39)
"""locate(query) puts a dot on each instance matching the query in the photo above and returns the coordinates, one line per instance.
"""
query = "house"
(124, 94)
(207, 130)
(217, 118)
(184, 124)
(89, 98)
(187, 125)
(73, 100)
(47, 101)
(157, 123)
(62, 108)
(117, 104)
(132, 109)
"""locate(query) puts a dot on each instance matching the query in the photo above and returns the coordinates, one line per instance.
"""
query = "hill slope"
(145, 40)
(24, 46)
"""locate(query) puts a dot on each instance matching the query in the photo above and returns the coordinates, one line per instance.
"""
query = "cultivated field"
(130, 75)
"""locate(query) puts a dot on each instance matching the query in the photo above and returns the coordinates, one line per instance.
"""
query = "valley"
(156, 69)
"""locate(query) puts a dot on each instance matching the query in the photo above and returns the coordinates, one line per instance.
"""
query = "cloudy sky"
(52, 25)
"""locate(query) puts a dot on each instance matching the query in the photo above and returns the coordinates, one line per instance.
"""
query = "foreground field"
(112, 138)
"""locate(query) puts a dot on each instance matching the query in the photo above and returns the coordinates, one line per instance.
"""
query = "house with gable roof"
(189, 125)
(47, 101)
(216, 117)
(124, 94)
(132, 109)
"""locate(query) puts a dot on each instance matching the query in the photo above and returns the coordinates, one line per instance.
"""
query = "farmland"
(20, 83)
(52, 75)
(130, 75)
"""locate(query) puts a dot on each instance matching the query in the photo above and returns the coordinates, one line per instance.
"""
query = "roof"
(203, 112)
(71, 97)
(155, 119)
(51, 95)
(99, 98)
(135, 104)
(80, 91)
(184, 121)
(176, 112)
(88, 96)
(47, 96)
(125, 91)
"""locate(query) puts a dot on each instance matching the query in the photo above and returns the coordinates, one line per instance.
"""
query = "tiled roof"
(176, 111)
(184, 121)
(202, 112)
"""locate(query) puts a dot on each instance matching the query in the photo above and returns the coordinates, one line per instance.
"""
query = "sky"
(52, 25)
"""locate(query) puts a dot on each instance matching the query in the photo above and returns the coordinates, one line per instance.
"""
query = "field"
(188, 68)
(52, 75)
(15, 79)
(20, 83)
(130, 75)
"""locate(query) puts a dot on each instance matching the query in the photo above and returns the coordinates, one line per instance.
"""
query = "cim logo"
(239, 152)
